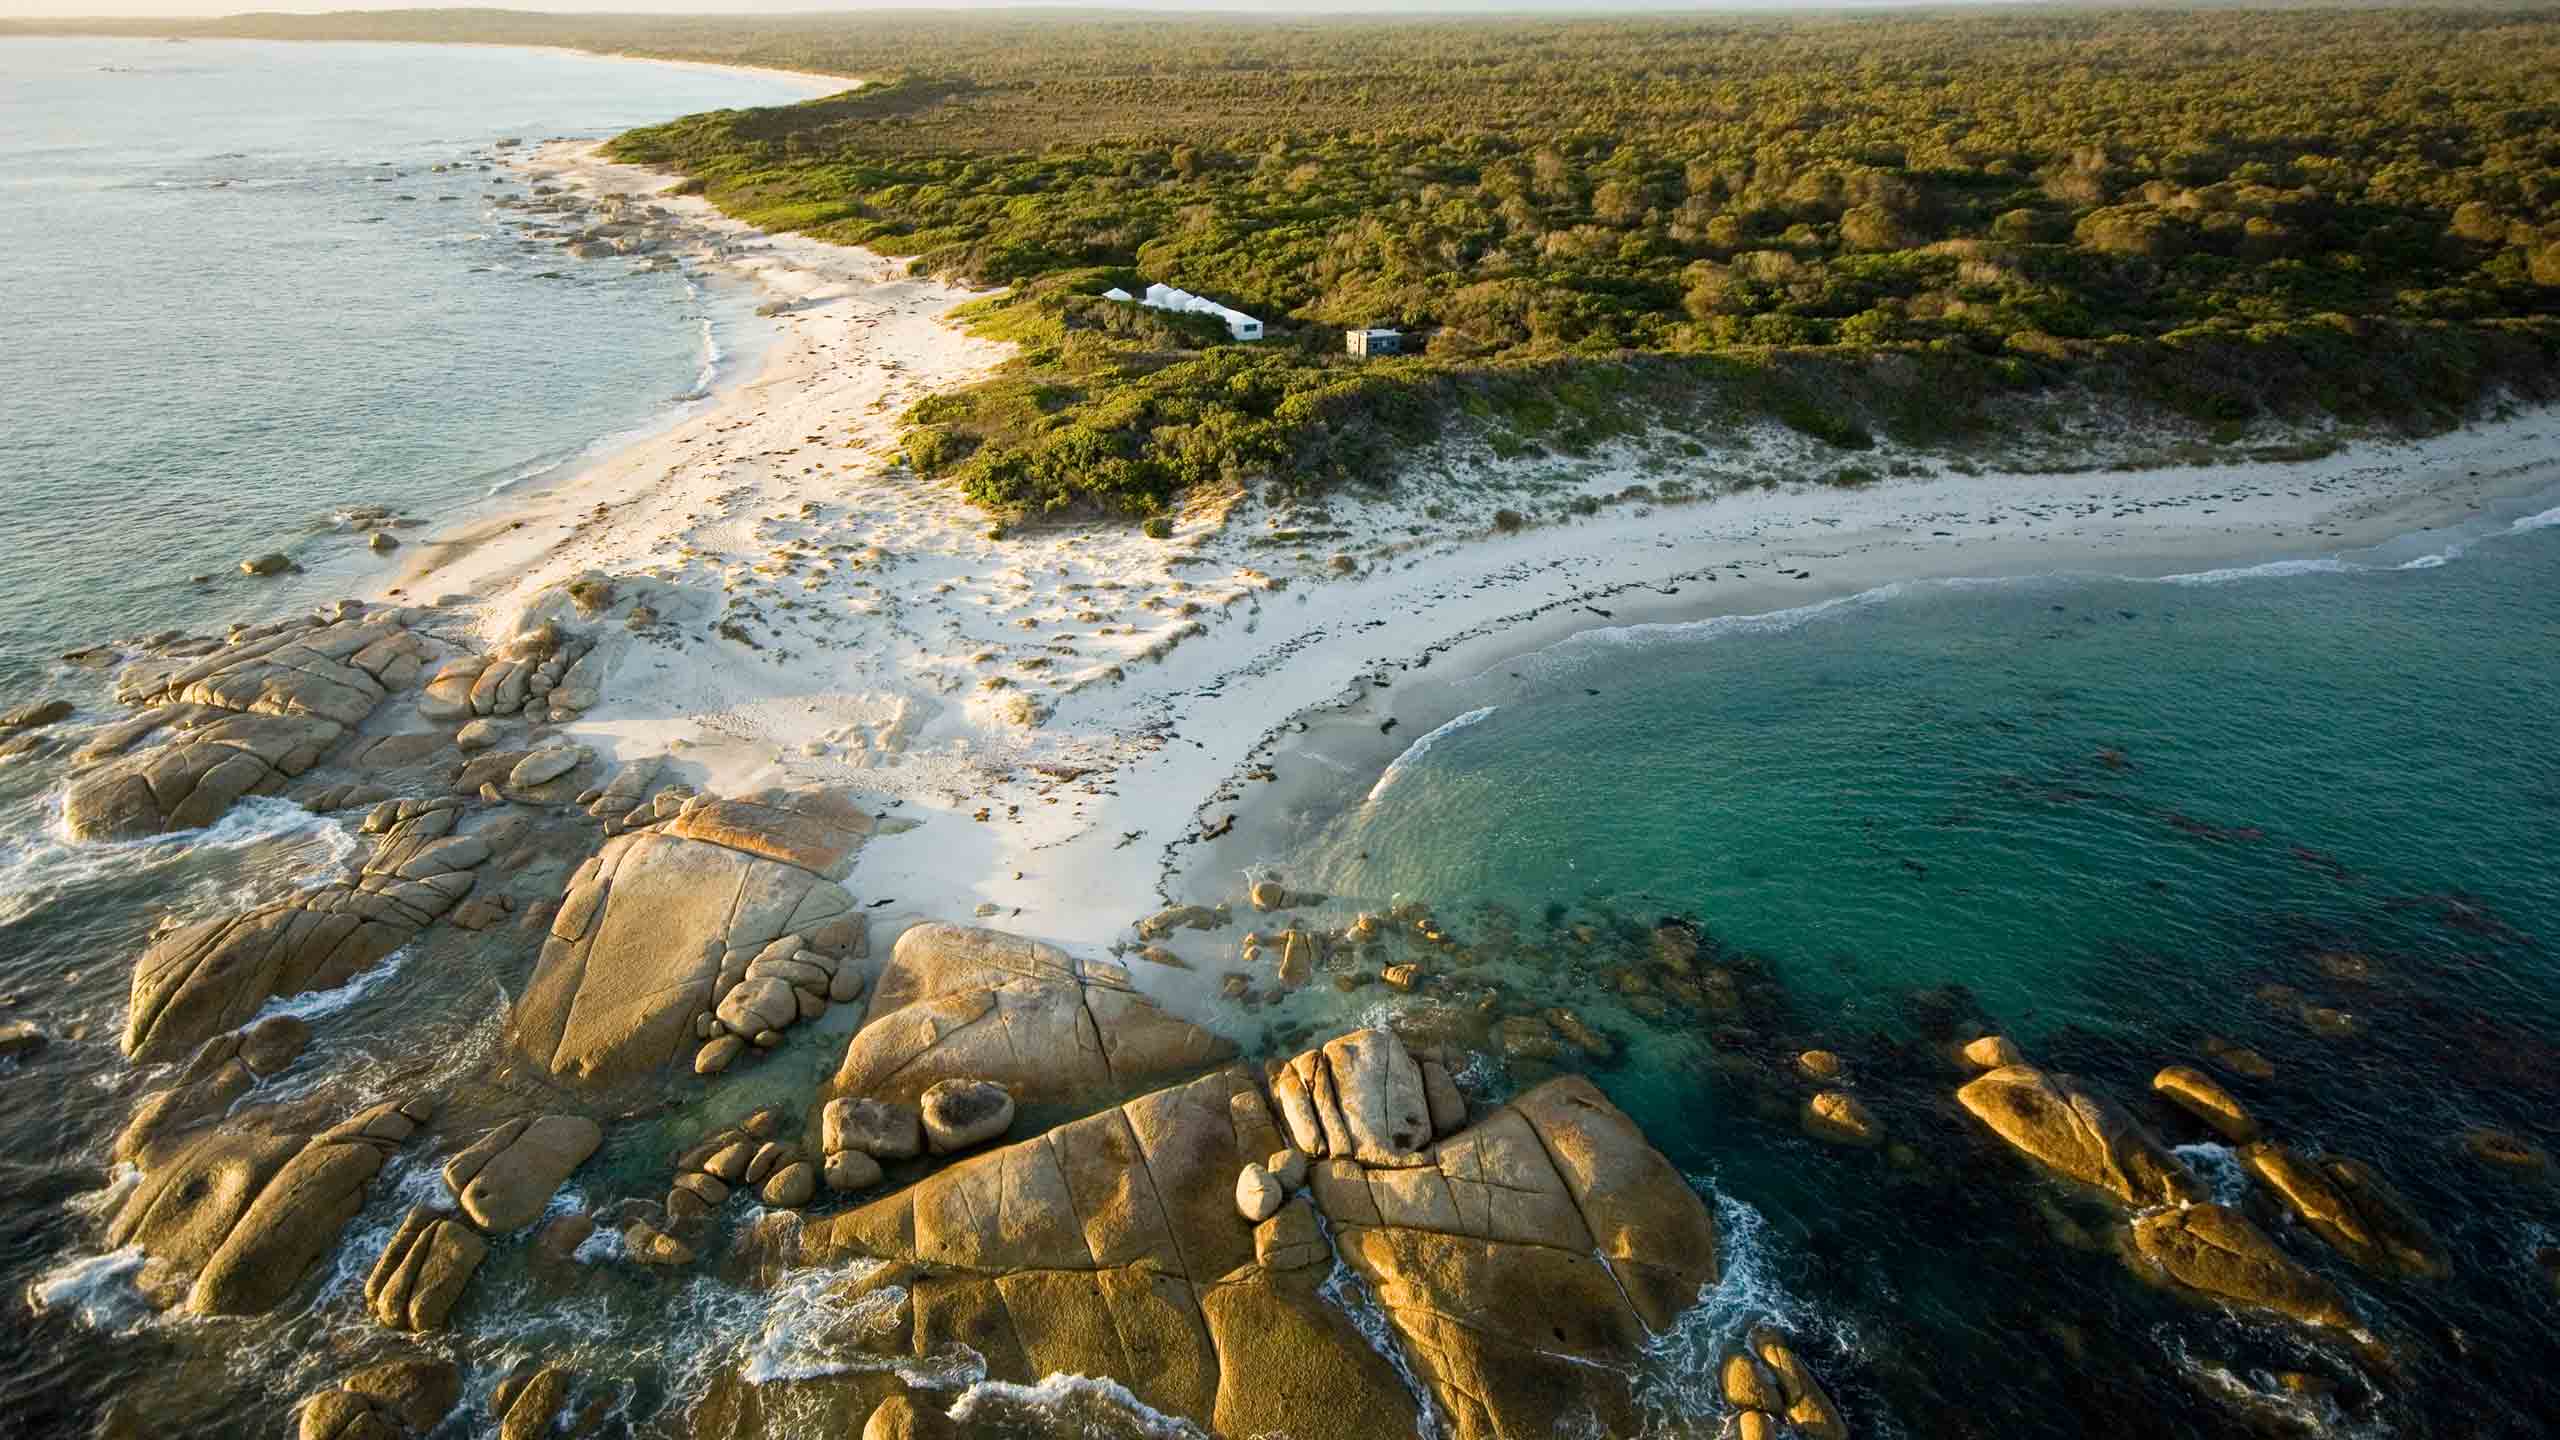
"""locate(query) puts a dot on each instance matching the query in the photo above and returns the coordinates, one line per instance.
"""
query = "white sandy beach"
(1054, 708)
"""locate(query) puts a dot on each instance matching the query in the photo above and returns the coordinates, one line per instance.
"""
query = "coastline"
(1057, 712)
(1056, 729)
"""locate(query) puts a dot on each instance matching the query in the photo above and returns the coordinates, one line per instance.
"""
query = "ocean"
(253, 287)
(2304, 809)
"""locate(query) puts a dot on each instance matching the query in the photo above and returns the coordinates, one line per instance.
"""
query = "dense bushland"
(1858, 224)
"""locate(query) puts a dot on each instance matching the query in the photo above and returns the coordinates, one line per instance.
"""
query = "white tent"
(1116, 293)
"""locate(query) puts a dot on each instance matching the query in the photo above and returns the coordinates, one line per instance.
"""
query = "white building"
(1166, 297)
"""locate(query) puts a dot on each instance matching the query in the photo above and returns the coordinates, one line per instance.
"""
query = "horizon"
(1378, 9)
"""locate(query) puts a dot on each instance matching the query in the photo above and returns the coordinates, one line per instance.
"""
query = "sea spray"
(2542, 520)
(2220, 1168)
(814, 1323)
(1581, 644)
(96, 1290)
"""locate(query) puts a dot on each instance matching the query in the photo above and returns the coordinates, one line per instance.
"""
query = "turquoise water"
(240, 300)
(2101, 817)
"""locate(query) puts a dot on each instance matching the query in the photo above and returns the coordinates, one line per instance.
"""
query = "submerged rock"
(20, 1039)
(2348, 1204)
(1837, 1116)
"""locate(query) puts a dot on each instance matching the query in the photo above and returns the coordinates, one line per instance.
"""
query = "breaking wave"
(1676, 1377)
(1101, 1409)
(40, 862)
(1419, 748)
(312, 1004)
(96, 1290)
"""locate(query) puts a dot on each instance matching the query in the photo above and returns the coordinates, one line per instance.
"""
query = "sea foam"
(1082, 1405)
(40, 862)
(1676, 1378)
(96, 1290)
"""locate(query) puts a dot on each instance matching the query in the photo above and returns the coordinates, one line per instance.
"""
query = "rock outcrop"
(2078, 1134)
(1807, 1406)
(1522, 1265)
(2348, 1204)
(2213, 1251)
(390, 1401)
(658, 930)
(422, 1272)
(212, 760)
(747, 1156)
(242, 720)
(504, 1179)
(959, 1115)
(222, 1070)
(2202, 1096)
(231, 1216)
(961, 1003)
(1111, 1246)
(197, 980)
(1530, 1262)
(535, 1404)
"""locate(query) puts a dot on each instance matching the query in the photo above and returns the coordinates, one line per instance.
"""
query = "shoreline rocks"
(197, 980)
(231, 1216)
(506, 1178)
(665, 923)
(2078, 1135)
(954, 1002)
(2214, 1251)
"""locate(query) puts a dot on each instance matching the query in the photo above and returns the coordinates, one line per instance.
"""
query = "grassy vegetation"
(1863, 226)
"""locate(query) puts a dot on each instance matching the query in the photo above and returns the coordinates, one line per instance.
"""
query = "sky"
(196, 8)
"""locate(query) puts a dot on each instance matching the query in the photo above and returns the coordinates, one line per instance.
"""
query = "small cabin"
(1365, 343)
(1160, 296)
